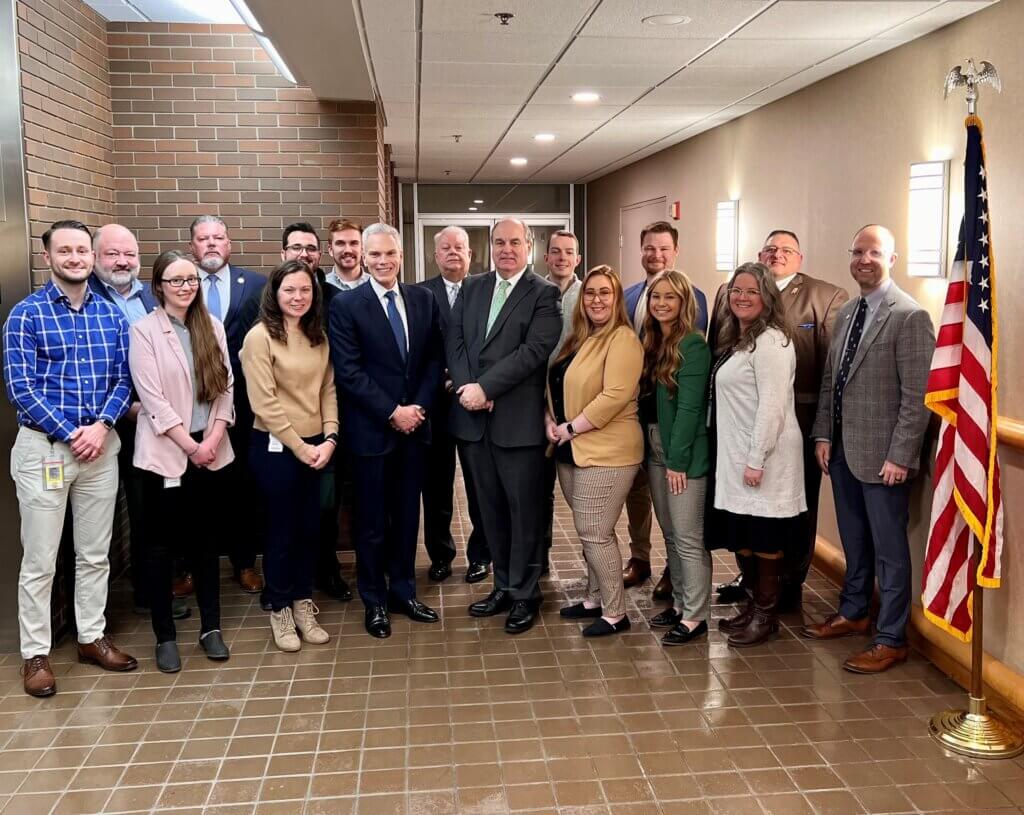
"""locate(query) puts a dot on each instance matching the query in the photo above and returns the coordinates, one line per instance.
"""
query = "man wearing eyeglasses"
(811, 306)
(869, 432)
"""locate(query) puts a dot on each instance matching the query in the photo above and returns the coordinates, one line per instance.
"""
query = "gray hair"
(205, 219)
(450, 228)
(98, 234)
(382, 229)
(526, 230)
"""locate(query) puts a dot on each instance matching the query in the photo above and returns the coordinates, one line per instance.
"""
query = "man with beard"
(345, 246)
(227, 291)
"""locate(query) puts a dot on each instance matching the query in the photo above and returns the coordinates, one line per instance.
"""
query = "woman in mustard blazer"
(592, 421)
(179, 362)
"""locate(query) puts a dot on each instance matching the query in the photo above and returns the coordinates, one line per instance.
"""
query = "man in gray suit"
(503, 328)
(869, 430)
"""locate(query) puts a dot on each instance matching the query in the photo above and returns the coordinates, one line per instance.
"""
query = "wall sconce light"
(928, 219)
(727, 234)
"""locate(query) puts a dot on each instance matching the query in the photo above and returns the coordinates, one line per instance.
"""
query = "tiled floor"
(461, 718)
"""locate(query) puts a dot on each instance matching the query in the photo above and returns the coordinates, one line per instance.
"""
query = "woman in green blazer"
(673, 410)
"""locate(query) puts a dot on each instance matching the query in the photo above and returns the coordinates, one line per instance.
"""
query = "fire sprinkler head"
(504, 17)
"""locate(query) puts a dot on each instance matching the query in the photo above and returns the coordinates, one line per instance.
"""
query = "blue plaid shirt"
(66, 368)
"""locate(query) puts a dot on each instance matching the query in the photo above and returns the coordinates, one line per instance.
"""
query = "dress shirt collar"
(55, 294)
(512, 281)
(874, 298)
(380, 291)
(782, 282)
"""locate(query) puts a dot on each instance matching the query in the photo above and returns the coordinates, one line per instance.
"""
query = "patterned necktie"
(397, 328)
(499, 300)
(213, 297)
(856, 331)
(453, 294)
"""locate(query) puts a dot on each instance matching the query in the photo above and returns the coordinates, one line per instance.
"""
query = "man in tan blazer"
(811, 306)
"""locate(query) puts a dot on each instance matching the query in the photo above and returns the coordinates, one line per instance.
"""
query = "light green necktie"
(499, 300)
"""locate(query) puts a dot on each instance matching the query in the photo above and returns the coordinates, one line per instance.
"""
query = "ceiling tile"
(477, 94)
(633, 51)
(670, 96)
(520, 76)
(764, 54)
(556, 113)
(385, 17)
(457, 46)
(725, 76)
(606, 76)
(709, 19)
(531, 16)
(938, 17)
(827, 19)
(558, 95)
(466, 110)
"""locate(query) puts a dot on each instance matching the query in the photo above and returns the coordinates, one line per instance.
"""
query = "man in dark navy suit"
(228, 292)
(387, 353)
(453, 256)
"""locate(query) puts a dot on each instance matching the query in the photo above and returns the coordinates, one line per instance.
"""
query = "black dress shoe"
(521, 617)
(496, 602)
(213, 643)
(668, 618)
(602, 628)
(414, 610)
(378, 623)
(579, 612)
(167, 658)
(335, 586)
(477, 571)
(680, 634)
(439, 570)
(732, 592)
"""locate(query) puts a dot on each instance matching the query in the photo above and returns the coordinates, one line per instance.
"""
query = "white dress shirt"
(380, 291)
(782, 282)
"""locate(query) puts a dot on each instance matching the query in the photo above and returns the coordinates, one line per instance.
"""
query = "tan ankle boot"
(283, 625)
(304, 613)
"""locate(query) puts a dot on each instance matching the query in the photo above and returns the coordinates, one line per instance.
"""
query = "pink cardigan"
(161, 376)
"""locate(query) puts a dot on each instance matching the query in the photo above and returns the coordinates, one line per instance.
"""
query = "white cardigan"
(756, 427)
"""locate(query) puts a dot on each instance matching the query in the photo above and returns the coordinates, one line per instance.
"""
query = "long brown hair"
(582, 327)
(730, 335)
(662, 358)
(211, 372)
(270, 310)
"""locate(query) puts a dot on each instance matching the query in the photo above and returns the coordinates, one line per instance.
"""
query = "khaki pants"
(92, 490)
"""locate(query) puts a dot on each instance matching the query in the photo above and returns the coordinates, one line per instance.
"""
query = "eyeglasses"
(178, 282)
(873, 254)
(298, 249)
(598, 294)
(775, 250)
(745, 292)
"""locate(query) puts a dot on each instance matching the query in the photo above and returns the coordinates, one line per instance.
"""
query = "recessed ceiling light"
(518, 161)
(472, 209)
(544, 137)
(478, 200)
(585, 97)
(666, 19)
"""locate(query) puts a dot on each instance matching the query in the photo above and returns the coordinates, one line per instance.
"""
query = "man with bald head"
(869, 431)
(503, 328)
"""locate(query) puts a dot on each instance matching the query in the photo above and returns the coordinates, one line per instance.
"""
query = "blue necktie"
(396, 323)
(213, 297)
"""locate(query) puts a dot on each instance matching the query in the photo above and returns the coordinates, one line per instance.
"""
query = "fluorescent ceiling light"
(544, 137)
(518, 161)
(275, 57)
(584, 97)
(247, 16)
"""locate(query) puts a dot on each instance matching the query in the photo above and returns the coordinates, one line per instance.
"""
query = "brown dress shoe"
(836, 626)
(876, 659)
(39, 679)
(663, 589)
(104, 653)
(183, 586)
(250, 581)
(636, 572)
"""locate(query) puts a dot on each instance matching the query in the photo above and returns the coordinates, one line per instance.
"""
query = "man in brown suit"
(811, 306)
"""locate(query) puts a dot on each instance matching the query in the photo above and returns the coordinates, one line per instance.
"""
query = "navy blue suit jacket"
(632, 295)
(148, 299)
(371, 378)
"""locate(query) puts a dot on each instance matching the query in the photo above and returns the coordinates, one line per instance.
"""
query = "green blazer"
(682, 418)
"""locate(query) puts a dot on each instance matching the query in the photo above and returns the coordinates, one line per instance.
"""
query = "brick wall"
(68, 131)
(204, 124)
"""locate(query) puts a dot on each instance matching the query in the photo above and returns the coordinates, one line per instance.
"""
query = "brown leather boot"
(38, 675)
(764, 620)
(663, 590)
(104, 653)
(636, 572)
(747, 577)
(250, 581)
(183, 585)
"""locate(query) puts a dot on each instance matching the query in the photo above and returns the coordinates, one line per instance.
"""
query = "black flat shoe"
(477, 571)
(680, 634)
(213, 643)
(579, 612)
(167, 658)
(377, 621)
(496, 602)
(602, 628)
(732, 592)
(336, 587)
(414, 610)
(668, 618)
(440, 570)
(521, 617)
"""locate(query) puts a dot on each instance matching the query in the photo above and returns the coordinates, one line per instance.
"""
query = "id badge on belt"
(53, 471)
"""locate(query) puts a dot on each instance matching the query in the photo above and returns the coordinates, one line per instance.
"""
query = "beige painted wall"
(836, 155)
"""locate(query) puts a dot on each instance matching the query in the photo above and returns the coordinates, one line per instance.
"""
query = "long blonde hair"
(662, 358)
(582, 327)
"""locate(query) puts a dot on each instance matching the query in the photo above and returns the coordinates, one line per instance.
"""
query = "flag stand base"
(976, 733)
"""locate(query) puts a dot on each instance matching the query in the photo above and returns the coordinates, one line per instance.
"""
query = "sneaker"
(283, 625)
(304, 612)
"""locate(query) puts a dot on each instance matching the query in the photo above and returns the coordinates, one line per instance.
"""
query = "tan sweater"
(290, 387)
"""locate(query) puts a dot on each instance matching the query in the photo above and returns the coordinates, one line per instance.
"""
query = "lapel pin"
(240, 280)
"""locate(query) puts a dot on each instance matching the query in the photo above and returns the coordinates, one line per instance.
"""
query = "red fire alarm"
(675, 211)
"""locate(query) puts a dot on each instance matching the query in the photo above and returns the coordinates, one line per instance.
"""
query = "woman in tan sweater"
(592, 421)
(290, 382)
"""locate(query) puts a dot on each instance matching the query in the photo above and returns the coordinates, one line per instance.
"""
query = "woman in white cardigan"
(759, 485)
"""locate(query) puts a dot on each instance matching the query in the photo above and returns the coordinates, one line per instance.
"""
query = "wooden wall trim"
(1010, 432)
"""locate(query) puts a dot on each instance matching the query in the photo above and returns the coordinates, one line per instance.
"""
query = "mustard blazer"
(603, 383)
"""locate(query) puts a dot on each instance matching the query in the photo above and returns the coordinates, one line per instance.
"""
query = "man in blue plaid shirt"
(66, 370)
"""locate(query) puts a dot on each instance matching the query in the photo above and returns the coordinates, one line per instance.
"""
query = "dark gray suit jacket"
(510, 363)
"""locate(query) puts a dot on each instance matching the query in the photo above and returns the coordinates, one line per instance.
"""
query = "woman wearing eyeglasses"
(179, 363)
(759, 484)
(592, 421)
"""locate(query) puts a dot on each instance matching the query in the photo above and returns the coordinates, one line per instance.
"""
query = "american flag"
(967, 503)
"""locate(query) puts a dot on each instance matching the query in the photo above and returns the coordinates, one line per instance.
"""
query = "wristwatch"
(107, 424)
(568, 426)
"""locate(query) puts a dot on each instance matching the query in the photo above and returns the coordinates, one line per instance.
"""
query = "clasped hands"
(472, 397)
(407, 418)
(558, 434)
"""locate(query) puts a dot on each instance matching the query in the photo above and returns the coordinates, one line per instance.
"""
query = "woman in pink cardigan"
(179, 363)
